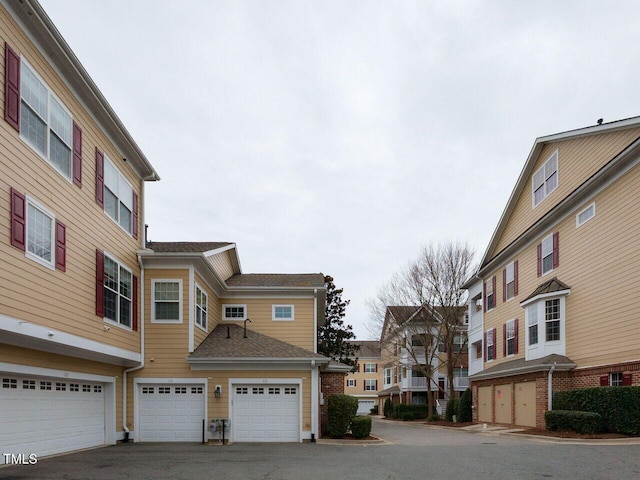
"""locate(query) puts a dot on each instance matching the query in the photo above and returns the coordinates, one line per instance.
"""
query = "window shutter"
(495, 292)
(99, 178)
(515, 278)
(504, 339)
(375, 385)
(355, 382)
(504, 285)
(626, 379)
(134, 216)
(376, 366)
(11, 87)
(484, 296)
(61, 246)
(77, 155)
(515, 328)
(18, 217)
(134, 324)
(556, 250)
(99, 283)
(540, 259)
(486, 348)
(495, 350)
(604, 381)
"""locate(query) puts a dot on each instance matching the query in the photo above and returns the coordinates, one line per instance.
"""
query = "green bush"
(341, 410)
(387, 408)
(406, 416)
(464, 407)
(452, 409)
(361, 426)
(374, 410)
(574, 420)
(434, 418)
(418, 411)
(619, 407)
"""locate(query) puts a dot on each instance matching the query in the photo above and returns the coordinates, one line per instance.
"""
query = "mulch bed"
(348, 436)
(444, 423)
(582, 436)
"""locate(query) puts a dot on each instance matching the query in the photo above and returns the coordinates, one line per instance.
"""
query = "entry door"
(525, 400)
(502, 398)
(485, 405)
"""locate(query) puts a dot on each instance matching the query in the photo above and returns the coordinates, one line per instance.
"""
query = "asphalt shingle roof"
(550, 286)
(368, 348)
(185, 247)
(520, 365)
(276, 280)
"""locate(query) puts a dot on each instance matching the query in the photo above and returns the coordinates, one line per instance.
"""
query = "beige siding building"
(554, 281)
(365, 381)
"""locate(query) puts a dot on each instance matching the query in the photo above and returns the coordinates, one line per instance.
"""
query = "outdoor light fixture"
(218, 391)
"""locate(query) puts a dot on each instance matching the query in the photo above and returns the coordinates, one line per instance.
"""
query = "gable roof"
(227, 342)
(186, 247)
(527, 170)
(308, 280)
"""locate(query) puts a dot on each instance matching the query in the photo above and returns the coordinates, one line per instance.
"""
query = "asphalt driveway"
(419, 452)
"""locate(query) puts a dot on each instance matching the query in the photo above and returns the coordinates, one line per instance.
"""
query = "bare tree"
(432, 284)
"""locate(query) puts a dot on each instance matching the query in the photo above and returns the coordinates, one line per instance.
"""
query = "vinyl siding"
(213, 312)
(64, 301)
(361, 376)
(222, 264)
(578, 159)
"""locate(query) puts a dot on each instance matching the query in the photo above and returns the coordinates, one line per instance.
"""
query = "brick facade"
(331, 383)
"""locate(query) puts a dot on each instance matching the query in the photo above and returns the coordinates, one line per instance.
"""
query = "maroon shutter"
(134, 216)
(556, 250)
(99, 178)
(77, 155)
(515, 329)
(484, 296)
(604, 381)
(18, 217)
(504, 285)
(495, 292)
(99, 283)
(61, 246)
(11, 87)
(375, 385)
(539, 259)
(355, 382)
(515, 278)
(376, 365)
(495, 338)
(134, 324)
(504, 339)
(626, 379)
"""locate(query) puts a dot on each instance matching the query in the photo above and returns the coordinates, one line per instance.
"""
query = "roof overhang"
(255, 363)
(542, 296)
(533, 367)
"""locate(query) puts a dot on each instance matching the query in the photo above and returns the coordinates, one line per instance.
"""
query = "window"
(461, 372)
(478, 348)
(510, 281)
(370, 368)
(489, 335)
(370, 385)
(490, 293)
(547, 254)
(545, 179)
(118, 196)
(234, 312)
(459, 342)
(510, 338)
(615, 379)
(201, 308)
(40, 234)
(532, 320)
(417, 340)
(117, 292)
(586, 215)
(45, 124)
(552, 319)
(282, 312)
(351, 382)
(387, 376)
(167, 301)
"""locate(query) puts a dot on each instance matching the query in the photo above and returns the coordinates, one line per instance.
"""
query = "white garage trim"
(233, 382)
(137, 382)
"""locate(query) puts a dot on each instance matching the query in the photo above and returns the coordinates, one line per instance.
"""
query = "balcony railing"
(460, 382)
(418, 381)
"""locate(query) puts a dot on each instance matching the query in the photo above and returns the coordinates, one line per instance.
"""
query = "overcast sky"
(342, 136)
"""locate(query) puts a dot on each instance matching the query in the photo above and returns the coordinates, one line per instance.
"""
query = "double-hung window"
(552, 319)
(351, 382)
(490, 293)
(118, 196)
(118, 292)
(40, 234)
(510, 281)
(510, 337)
(387, 376)
(491, 349)
(545, 179)
(201, 308)
(370, 368)
(547, 254)
(532, 321)
(167, 301)
(370, 385)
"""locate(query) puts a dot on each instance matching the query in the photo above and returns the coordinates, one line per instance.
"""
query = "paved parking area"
(418, 453)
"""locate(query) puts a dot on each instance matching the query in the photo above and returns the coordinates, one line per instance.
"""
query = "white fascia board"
(215, 251)
(38, 337)
(53, 373)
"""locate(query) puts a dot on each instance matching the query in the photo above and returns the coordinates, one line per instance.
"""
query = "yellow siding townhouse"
(365, 382)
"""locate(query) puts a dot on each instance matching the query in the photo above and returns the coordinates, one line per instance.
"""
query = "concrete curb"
(357, 443)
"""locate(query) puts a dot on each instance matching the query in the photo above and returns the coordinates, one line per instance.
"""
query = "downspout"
(550, 386)
(315, 320)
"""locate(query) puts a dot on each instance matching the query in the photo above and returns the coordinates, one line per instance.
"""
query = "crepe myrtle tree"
(334, 335)
(434, 337)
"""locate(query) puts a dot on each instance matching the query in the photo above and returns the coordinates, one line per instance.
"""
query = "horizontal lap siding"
(297, 332)
(578, 159)
(213, 312)
(222, 264)
(61, 300)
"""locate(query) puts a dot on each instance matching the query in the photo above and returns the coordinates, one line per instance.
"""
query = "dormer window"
(545, 179)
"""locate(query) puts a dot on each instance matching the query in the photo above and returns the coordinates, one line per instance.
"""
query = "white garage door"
(46, 416)
(171, 413)
(365, 406)
(266, 413)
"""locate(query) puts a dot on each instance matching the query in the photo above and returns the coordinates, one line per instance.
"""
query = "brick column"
(332, 383)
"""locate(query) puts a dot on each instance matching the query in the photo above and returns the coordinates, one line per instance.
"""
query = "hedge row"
(361, 426)
(404, 411)
(341, 410)
(619, 407)
(574, 420)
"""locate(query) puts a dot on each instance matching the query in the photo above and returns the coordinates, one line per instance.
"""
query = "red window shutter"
(484, 296)
(627, 379)
(18, 219)
(11, 87)
(376, 366)
(495, 292)
(99, 283)
(504, 285)
(556, 250)
(61, 246)
(486, 348)
(604, 381)
(77, 155)
(134, 216)
(355, 382)
(375, 385)
(495, 337)
(504, 339)
(539, 259)
(99, 178)
(515, 278)
(515, 328)
(134, 324)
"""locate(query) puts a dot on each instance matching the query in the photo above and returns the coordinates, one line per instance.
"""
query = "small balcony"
(418, 381)
(460, 382)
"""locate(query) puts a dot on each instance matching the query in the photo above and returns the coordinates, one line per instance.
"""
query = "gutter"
(520, 370)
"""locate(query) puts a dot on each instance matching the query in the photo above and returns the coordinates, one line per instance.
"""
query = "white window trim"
(351, 382)
(50, 265)
(26, 141)
(544, 347)
(370, 389)
(238, 319)
(486, 347)
(490, 283)
(506, 339)
(507, 282)
(104, 186)
(117, 322)
(388, 373)
(369, 371)
(542, 255)
(196, 306)
(578, 223)
(153, 300)
(533, 191)
(273, 313)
